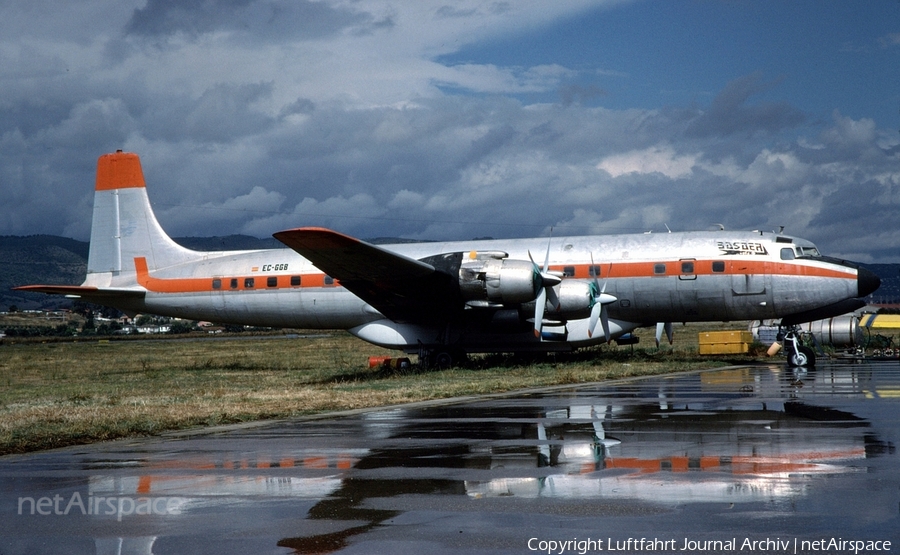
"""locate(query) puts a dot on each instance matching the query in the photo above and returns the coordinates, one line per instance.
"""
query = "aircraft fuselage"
(677, 277)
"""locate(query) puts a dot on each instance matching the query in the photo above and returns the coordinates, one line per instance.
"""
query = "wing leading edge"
(401, 288)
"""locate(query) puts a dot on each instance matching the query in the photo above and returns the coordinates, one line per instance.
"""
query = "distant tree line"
(62, 330)
(104, 321)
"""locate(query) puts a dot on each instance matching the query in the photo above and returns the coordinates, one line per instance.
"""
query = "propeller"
(546, 282)
(663, 326)
(599, 299)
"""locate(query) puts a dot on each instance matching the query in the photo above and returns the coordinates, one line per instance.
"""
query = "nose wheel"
(798, 355)
(804, 357)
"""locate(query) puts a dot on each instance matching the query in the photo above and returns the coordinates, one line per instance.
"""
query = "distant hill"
(889, 292)
(44, 259)
(229, 243)
(51, 260)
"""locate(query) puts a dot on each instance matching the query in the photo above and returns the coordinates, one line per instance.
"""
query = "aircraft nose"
(866, 282)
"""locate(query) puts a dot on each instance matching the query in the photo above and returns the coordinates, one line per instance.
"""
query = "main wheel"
(443, 360)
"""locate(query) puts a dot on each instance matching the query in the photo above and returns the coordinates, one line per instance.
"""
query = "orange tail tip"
(119, 170)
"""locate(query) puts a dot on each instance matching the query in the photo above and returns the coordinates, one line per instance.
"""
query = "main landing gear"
(798, 354)
(441, 359)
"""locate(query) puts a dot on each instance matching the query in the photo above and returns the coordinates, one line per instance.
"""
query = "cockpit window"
(787, 253)
(807, 251)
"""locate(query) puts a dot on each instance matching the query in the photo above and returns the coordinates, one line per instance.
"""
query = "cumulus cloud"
(656, 159)
(265, 20)
(253, 116)
(237, 213)
(332, 212)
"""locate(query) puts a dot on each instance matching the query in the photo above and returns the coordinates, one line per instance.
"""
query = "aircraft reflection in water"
(746, 453)
(748, 435)
(181, 488)
(675, 442)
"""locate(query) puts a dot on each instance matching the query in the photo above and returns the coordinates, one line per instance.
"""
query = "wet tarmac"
(748, 459)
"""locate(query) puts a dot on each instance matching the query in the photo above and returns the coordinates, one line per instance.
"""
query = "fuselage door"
(745, 283)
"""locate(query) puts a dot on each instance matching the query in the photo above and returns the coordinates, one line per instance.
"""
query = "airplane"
(444, 300)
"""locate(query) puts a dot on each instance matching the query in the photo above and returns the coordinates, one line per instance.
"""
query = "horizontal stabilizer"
(99, 295)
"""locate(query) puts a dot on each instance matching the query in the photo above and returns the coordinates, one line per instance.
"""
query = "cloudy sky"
(454, 120)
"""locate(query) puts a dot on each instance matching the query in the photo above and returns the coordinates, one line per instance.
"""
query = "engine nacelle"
(571, 300)
(500, 281)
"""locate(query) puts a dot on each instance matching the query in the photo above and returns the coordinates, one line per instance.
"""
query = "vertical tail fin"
(124, 226)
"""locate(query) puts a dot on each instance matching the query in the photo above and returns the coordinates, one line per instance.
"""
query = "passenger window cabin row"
(271, 282)
(687, 267)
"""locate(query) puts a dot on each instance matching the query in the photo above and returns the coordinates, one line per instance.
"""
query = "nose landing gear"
(798, 354)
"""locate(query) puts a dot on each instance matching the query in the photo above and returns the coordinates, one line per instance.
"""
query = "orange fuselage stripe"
(788, 462)
(581, 271)
(701, 268)
(205, 284)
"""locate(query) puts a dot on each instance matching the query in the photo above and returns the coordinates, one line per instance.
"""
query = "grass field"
(54, 394)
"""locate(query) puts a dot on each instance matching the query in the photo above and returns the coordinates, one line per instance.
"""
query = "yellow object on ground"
(724, 342)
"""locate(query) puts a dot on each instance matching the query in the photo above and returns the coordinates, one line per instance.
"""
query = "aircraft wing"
(401, 288)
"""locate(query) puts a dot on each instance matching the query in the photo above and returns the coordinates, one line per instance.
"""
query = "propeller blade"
(663, 326)
(539, 312)
(604, 321)
(599, 313)
(546, 281)
(595, 317)
(596, 308)
(552, 298)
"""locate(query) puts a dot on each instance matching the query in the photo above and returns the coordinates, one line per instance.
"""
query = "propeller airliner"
(442, 300)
